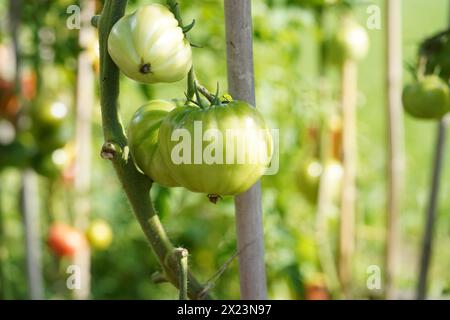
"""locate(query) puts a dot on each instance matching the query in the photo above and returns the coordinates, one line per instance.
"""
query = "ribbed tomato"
(143, 140)
(149, 46)
(219, 150)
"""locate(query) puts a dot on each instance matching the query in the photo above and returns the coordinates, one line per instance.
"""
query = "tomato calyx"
(189, 27)
(214, 198)
(213, 99)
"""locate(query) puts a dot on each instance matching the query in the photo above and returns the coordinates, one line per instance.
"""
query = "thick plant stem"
(136, 186)
(249, 225)
(427, 243)
(395, 161)
(181, 256)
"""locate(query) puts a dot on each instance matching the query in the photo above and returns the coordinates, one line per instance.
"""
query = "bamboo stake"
(84, 106)
(395, 157)
(249, 225)
(347, 225)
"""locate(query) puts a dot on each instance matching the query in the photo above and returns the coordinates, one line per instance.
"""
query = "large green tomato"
(149, 46)
(350, 42)
(143, 140)
(218, 150)
(429, 98)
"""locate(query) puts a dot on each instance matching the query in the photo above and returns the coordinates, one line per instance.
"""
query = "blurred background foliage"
(288, 89)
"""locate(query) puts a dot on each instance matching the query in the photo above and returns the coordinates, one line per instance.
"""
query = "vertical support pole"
(29, 208)
(395, 134)
(427, 243)
(347, 225)
(249, 225)
(84, 106)
(29, 192)
(3, 295)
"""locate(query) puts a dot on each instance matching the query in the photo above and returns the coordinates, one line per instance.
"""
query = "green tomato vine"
(136, 185)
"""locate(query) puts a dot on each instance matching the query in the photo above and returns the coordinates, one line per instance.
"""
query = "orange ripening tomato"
(316, 292)
(65, 240)
(9, 105)
(29, 85)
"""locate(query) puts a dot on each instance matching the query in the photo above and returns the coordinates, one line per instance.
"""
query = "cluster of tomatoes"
(50, 132)
(67, 241)
(428, 97)
(33, 136)
(150, 46)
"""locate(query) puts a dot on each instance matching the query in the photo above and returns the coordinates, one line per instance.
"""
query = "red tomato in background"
(65, 240)
(315, 291)
(29, 85)
(9, 105)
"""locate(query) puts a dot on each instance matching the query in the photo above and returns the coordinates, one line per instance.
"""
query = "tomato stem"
(175, 9)
(208, 95)
(181, 256)
(192, 81)
(200, 101)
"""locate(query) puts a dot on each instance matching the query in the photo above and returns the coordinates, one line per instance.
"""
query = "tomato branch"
(192, 81)
(136, 186)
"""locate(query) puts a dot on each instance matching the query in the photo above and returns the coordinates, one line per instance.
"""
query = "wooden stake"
(84, 106)
(249, 226)
(347, 225)
(29, 208)
(395, 133)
